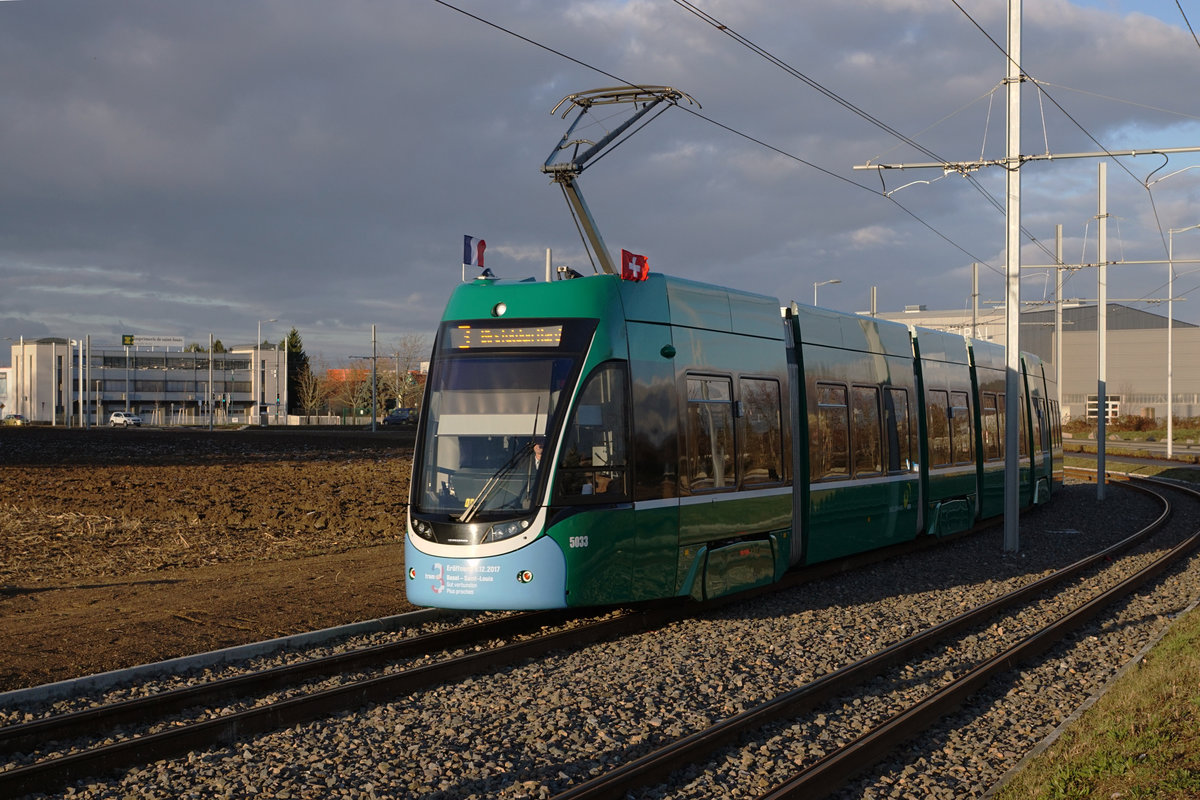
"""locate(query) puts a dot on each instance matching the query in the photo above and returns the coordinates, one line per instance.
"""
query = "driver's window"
(593, 462)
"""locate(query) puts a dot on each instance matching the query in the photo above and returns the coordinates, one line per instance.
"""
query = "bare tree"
(398, 378)
(347, 388)
(311, 390)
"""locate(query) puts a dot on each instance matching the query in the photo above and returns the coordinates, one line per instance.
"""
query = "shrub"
(1133, 422)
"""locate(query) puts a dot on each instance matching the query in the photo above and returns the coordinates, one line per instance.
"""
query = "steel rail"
(53, 773)
(91, 723)
(49, 774)
(659, 764)
(832, 771)
(95, 721)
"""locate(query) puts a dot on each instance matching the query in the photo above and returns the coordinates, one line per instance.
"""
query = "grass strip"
(1115, 464)
(1140, 740)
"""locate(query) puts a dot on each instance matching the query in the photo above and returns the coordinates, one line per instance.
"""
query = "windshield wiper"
(494, 481)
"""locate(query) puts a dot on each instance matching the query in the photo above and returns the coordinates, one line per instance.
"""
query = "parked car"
(14, 419)
(401, 416)
(125, 419)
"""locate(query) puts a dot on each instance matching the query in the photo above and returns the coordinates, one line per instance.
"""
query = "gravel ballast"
(538, 728)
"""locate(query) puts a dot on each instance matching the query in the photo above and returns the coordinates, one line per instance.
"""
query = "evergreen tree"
(197, 347)
(297, 367)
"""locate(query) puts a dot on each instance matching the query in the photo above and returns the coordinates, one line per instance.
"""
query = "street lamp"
(823, 283)
(18, 374)
(1170, 332)
(208, 400)
(256, 396)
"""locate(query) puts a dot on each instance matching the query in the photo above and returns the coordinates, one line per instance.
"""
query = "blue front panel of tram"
(530, 578)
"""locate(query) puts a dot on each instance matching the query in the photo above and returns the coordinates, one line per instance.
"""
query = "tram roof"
(828, 328)
(666, 299)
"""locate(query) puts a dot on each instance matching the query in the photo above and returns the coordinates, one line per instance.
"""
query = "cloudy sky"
(176, 167)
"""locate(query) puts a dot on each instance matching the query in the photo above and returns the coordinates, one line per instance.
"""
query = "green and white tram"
(599, 440)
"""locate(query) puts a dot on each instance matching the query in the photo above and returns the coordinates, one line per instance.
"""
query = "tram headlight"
(506, 530)
(423, 529)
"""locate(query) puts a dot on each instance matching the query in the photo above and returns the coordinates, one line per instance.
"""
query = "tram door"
(654, 414)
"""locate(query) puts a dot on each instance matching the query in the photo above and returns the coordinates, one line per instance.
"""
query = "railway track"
(829, 773)
(113, 736)
(492, 644)
(42, 763)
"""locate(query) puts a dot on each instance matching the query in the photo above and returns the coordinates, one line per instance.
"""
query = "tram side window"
(1044, 423)
(710, 462)
(1023, 439)
(1035, 407)
(960, 424)
(829, 440)
(1001, 423)
(992, 433)
(1056, 422)
(898, 432)
(762, 434)
(867, 432)
(939, 428)
(594, 464)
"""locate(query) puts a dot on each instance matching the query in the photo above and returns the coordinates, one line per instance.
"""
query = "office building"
(67, 382)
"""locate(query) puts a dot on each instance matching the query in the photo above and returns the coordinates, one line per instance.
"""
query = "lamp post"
(1170, 332)
(823, 283)
(73, 349)
(208, 400)
(18, 372)
(256, 379)
(22, 388)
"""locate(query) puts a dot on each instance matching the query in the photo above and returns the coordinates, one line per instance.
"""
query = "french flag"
(634, 267)
(473, 251)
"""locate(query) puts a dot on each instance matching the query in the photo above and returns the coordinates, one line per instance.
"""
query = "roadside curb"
(106, 680)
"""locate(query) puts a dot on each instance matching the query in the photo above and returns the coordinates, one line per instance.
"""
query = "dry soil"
(122, 547)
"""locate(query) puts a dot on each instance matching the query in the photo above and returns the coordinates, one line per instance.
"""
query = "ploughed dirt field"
(122, 547)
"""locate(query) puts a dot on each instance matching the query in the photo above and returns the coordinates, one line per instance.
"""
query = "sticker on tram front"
(477, 583)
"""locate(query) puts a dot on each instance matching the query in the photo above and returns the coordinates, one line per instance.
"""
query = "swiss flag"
(634, 267)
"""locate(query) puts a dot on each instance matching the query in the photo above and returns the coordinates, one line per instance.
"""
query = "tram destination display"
(466, 337)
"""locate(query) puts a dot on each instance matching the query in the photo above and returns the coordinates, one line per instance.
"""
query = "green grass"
(1132, 450)
(1115, 464)
(1141, 740)
(1180, 435)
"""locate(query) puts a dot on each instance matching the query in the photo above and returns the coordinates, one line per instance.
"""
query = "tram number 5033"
(579, 541)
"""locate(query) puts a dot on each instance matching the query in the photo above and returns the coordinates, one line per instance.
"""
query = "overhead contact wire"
(721, 125)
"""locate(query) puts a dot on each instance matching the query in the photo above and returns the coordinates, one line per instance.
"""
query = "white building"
(46, 383)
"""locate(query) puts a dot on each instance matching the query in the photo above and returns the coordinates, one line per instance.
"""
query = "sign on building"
(143, 340)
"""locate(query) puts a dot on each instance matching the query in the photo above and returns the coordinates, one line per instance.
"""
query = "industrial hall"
(1138, 345)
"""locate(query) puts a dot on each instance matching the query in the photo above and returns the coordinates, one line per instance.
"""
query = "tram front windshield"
(484, 414)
